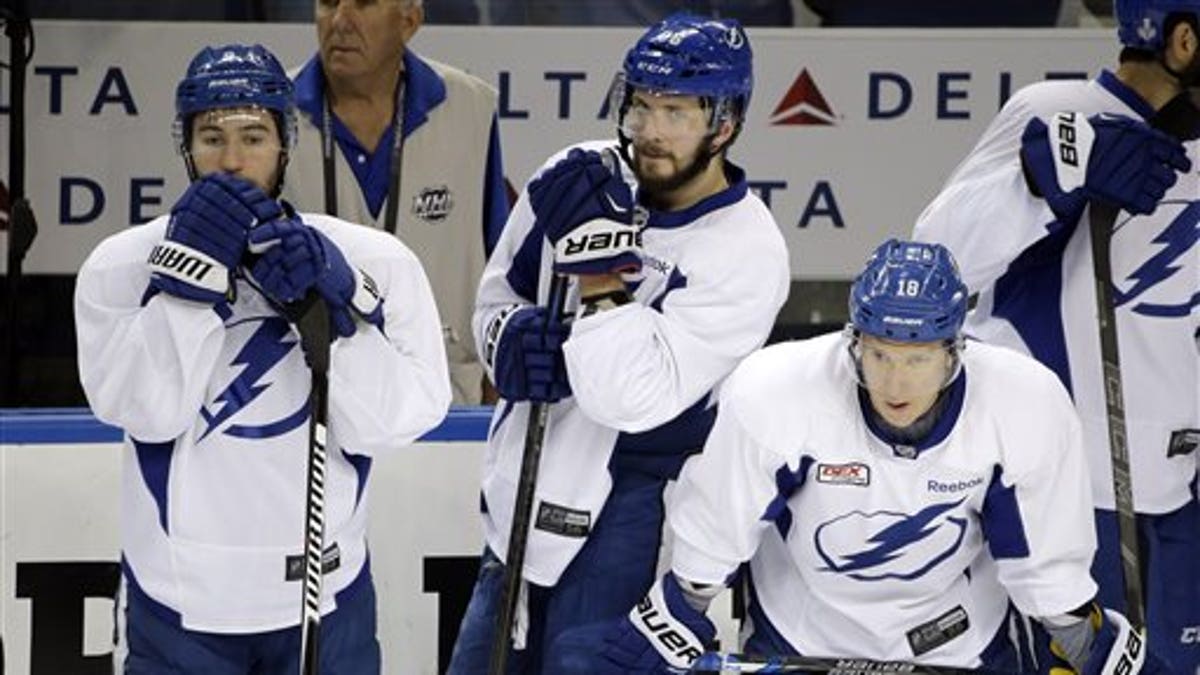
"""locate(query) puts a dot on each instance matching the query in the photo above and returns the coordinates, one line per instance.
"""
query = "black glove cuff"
(593, 304)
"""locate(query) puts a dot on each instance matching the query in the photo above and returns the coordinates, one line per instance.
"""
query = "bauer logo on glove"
(599, 247)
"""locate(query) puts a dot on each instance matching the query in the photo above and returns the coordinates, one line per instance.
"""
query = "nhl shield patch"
(433, 204)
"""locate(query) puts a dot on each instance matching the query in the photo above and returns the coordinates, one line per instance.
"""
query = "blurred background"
(37, 356)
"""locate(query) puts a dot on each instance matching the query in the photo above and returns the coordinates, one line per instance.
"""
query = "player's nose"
(895, 386)
(231, 158)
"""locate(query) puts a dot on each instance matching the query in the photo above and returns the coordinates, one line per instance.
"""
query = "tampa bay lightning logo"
(1168, 248)
(889, 545)
(267, 346)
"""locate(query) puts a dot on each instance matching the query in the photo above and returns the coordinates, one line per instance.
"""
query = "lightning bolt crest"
(891, 540)
(1176, 240)
(271, 341)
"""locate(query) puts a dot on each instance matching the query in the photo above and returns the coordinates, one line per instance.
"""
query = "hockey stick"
(1176, 119)
(535, 433)
(713, 662)
(22, 226)
(313, 325)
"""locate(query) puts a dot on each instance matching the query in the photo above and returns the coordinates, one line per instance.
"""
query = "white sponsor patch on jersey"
(854, 473)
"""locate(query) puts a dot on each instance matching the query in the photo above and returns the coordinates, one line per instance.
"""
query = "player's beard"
(653, 186)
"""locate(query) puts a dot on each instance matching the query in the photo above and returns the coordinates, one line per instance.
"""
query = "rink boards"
(59, 550)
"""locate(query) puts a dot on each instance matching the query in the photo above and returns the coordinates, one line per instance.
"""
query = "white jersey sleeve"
(1044, 470)
(985, 214)
(386, 389)
(1036, 283)
(638, 366)
(723, 493)
(144, 367)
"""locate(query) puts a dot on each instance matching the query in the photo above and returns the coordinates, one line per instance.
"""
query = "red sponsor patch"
(854, 473)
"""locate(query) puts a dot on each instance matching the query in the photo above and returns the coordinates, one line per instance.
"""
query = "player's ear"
(720, 140)
(1181, 45)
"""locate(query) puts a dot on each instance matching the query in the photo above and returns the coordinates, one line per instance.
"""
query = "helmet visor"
(643, 114)
(903, 372)
(250, 131)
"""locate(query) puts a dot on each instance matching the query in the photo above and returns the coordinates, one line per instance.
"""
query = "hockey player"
(628, 381)
(1016, 213)
(184, 343)
(892, 488)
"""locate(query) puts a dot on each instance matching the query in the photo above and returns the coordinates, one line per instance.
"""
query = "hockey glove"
(206, 237)
(586, 210)
(661, 634)
(1110, 158)
(296, 258)
(524, 351)
(1111, 647)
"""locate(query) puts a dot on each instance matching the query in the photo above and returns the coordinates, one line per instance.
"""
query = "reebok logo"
(803, 105)
(953, 486)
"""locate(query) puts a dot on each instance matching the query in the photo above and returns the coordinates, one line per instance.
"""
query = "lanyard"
(328, 144)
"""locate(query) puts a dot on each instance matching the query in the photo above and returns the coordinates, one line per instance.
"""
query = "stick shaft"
(514, 561)
(314, 333)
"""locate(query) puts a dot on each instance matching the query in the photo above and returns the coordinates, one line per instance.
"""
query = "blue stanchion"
(45, 426)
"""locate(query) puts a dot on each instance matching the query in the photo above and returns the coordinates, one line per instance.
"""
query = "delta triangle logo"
(803, 105)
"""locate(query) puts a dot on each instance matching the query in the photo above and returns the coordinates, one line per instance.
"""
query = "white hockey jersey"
(1037, 293)
(216, 411)
(860, 549)
(714, 277)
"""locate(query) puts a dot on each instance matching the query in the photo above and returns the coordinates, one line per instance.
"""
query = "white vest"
(440, 216)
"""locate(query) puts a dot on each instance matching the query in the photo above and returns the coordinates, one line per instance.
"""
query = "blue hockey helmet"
(232, 76)
(1141, 24)
(689, 55)
(909, 292)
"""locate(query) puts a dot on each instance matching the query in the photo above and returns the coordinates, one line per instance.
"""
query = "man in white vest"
(405, 144)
